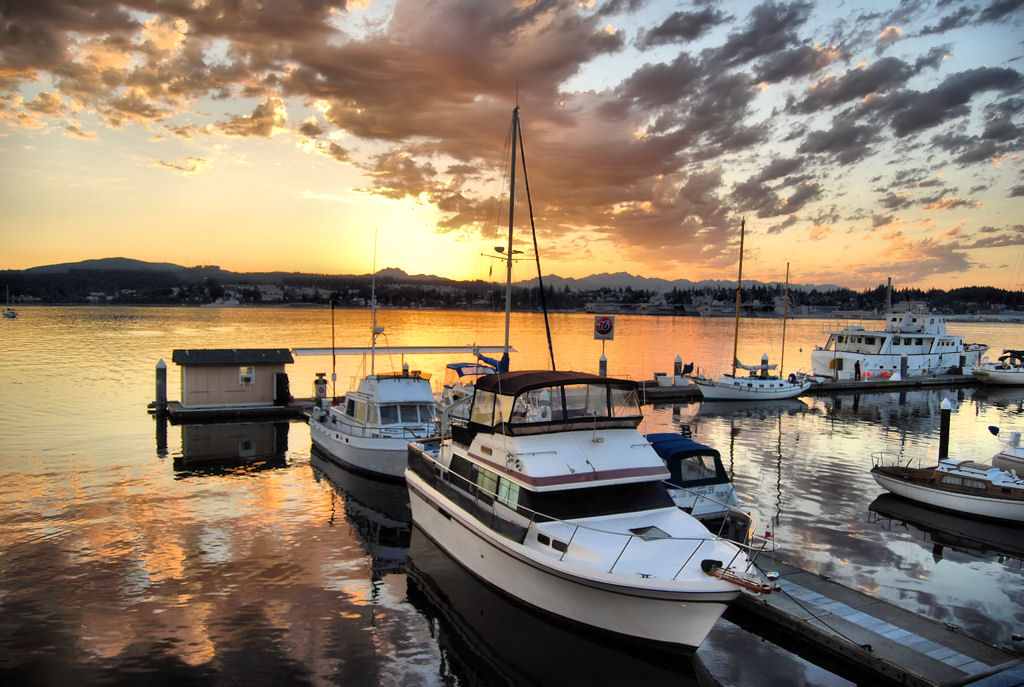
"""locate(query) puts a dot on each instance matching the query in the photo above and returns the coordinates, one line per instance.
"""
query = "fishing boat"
(760, 384)
(551, 494)
(368, 429)
(963, 486)
(913, 343)
(699, 484)
(1007, 369)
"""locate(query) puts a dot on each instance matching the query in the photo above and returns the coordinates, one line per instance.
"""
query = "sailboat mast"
(739, 286)
(373, 309)
(511, 220)
(785, 316)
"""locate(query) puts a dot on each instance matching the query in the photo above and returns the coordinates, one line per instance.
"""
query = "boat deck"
(872, 635)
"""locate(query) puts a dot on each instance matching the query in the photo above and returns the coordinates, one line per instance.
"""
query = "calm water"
(231, 554)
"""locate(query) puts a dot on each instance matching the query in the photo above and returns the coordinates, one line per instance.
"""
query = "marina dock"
(872, 636)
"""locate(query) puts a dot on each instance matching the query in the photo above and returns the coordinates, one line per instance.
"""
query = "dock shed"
(233, 378)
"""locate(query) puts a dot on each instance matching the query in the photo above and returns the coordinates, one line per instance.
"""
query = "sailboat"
(759, 385)
(9, 312)
(549, 493)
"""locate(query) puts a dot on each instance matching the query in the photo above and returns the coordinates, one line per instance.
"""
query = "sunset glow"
(867, 141)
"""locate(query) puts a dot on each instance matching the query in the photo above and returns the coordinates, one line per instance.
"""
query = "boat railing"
(420, 430)
(883, 459)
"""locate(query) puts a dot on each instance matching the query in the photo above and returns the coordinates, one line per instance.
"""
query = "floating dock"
(873, 636)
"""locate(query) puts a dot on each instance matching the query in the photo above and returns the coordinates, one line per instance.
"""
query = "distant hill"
(126, 264)
(618, 280)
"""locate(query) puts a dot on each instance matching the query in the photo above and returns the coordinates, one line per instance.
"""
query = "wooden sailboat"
(759, 385)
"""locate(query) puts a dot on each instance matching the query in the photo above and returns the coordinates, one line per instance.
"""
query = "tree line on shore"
(130, 287)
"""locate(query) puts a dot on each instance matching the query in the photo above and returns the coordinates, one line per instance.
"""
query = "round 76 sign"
(604, 327)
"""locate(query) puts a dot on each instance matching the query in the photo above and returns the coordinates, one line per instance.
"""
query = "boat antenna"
(373, 308)
(536, 251)
(739, 286)
(511, 222)
(785, 315)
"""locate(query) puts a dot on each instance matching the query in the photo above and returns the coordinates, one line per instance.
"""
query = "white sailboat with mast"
(759, 385)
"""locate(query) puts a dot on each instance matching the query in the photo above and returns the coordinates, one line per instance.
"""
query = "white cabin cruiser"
(369, 429)
(912, 344)
(1006, 370)
(550, 494)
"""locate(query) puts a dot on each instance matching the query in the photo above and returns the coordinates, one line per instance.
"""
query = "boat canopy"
(675, 448)
(540, 401)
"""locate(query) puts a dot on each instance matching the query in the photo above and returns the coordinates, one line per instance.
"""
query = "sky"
(856, 140)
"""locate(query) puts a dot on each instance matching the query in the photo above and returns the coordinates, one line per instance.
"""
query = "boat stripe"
(654, 472)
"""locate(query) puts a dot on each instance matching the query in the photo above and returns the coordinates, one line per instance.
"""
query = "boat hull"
(968, 504)
(682, 619)
(842, 364)
(1001, 377)
(749, 390)
(378, 456)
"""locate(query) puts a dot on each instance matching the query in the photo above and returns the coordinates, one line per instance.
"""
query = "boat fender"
(708, 564)
(792, 378)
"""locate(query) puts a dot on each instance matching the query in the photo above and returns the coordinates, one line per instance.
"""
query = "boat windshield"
(567, 504)
(558, 404)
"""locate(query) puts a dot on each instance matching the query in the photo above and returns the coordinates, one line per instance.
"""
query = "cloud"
(269, 118)
(888, 36)
(188, 166)
(682, 27)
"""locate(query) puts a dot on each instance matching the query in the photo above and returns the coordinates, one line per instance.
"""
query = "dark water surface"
(232, 554)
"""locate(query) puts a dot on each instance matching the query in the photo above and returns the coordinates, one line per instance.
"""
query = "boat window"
(625, 402)
(508, 493)
(388, 415)
(586, 400)
(361, 412)
(952, 480)
(487, 481)
(919, 342)
(974, 484)
(697, 467)
(483, 408)
(536, 406)
(896, 341)
(409, 413)
(350, 408)
(566, 504)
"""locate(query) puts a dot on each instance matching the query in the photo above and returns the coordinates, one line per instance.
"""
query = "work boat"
(550, 494)
(962, 486)
(761, 384)
(369, 428)
(1006, 370)
(913, 343)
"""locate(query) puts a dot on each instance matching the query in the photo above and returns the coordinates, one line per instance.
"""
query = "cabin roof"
(669, 444)
(514, 383)
(232, 356)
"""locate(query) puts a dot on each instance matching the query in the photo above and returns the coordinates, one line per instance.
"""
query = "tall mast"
(785, 315)
(374, 331)
(511, 220)
(739, 286)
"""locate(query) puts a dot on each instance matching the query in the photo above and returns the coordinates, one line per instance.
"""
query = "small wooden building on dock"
(239, 383)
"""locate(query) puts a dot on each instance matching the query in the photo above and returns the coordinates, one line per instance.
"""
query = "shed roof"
(232, 356)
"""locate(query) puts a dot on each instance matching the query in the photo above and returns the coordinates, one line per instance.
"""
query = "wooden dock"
(873, 636)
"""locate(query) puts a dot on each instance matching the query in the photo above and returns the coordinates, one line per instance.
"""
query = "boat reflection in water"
(754, 409)
(228, 447)
(489, 638)
(975, 537)
(378, 511)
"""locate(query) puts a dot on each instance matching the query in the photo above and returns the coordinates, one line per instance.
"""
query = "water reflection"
(977, 538)
(377, 510)
(224, 448)
(757, 409)
(487, 639)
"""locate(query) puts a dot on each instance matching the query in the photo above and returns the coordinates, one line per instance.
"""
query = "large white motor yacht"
(550, 493)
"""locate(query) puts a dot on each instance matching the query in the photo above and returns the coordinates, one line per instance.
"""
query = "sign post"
(604, 330)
